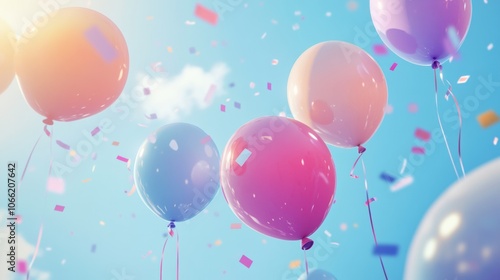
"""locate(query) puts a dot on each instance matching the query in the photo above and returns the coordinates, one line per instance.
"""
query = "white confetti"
(495, 141)
(490, 46)
(263, 35)
(295, 27)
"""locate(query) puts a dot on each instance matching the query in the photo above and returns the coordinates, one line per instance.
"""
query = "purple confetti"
(95, 131)
(385, 249)
(223, 108)
(244, 260)
(386, 177)
(393, 66)
(237, 105)
(63, 145)
(269, 86)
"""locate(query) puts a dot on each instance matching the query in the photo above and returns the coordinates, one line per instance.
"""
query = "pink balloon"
(422, 31)
(339, 90)
(285, 188)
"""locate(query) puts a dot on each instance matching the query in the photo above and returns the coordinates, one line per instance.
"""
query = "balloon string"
(361, 150)
(40, 232)
(441, 125)
(177, 256)
(371, 218)
(162, 255)
(307, 265)
(448, 93)
(28, 161)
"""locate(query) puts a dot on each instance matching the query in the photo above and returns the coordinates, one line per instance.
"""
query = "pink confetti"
(236, 226)
(120, 158)
(418, 150)
(463, 79)
(95, 131)
(393, 66)
(22, 266)
(147, 254)
(115, 143)
(152, 138)
(343, 226)
(379, 49)
(403, 182)
(55, 185)
(369, 201)
(223, 108)
(274, 62)
(206, 14)
(269, 86)
(147, 91)
(388, 109)
(413, 108)
(422, 134)
(59, 208)
(63, 145)
(252, 85)
(244, 260)
(210, 93)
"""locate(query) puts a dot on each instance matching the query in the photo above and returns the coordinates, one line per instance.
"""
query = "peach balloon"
(7, 52)
(74, 66)
(339, 90)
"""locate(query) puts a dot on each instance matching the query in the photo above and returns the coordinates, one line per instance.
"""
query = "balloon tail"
(162, 255)
(40, 232)
(436, 65)
(448, 93)
(371, 218)
(361, 150)
(305, 261)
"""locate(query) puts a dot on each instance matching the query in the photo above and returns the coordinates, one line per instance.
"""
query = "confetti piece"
(488, 118)
(94, 155)
(173, 145)
(352, 5)
(147, 254)
(393, 66)
(403, 182)
(218, 242)
(59, 208)
(115, 143)
(188, 22)
(385, 249)
(243, 157)
(328, 14)
(236, 226)
(55, 185)
(412, 108)
(206, 14)
(237, 105)
(244, 260)
(205, 139)
(95, 131)
(418, 150)
(22, 266)
(120, 158)
(192, 50)
(252, 85)
(87, 180)
(490, 47)
(294, 264)
(231, 85)
(274, 62)
(327, 233)
(388, 109)
(463, 79)
(343, 226)
(152, 117)
(403, 166)
(295, 27)
(297, 13)
(263, 35)
(223, 108)
(63, 145)
(146, 91)
(269, 86)
(92, 249)
(369, 201)
(386, 177)
(131, 191)
(495, 141)
(169, 49)
(101, 44)
(422, 134)
(102, 223)
(379, 49)
(210, 93)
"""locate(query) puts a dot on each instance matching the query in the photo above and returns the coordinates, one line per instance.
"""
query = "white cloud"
(173, 97)
(25, 251)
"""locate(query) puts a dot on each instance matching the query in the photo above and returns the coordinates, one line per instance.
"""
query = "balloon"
(74, 66)
(459, 236)
(317, 274)
(176, 171)
(337, 89)
(286, 186)
(7, 51)
(422, 31)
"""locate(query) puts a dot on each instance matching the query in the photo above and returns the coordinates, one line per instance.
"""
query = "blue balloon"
(317, 274)
(176, 171)
(459, 237)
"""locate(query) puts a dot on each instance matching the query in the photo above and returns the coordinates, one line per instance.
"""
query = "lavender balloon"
(422, 31)
(459, 237)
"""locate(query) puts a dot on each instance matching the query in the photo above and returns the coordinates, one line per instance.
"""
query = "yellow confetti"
(218, 243)
(169, 49)
(72, 153)
(488, 118)
(86, 180)
(294, 264)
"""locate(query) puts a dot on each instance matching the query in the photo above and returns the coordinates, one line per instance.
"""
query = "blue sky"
(236, 56)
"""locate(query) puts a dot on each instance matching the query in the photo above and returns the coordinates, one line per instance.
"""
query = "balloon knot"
(171, 225)
(436, 65)
(361, 149)
(307, 243)
(48, 121)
